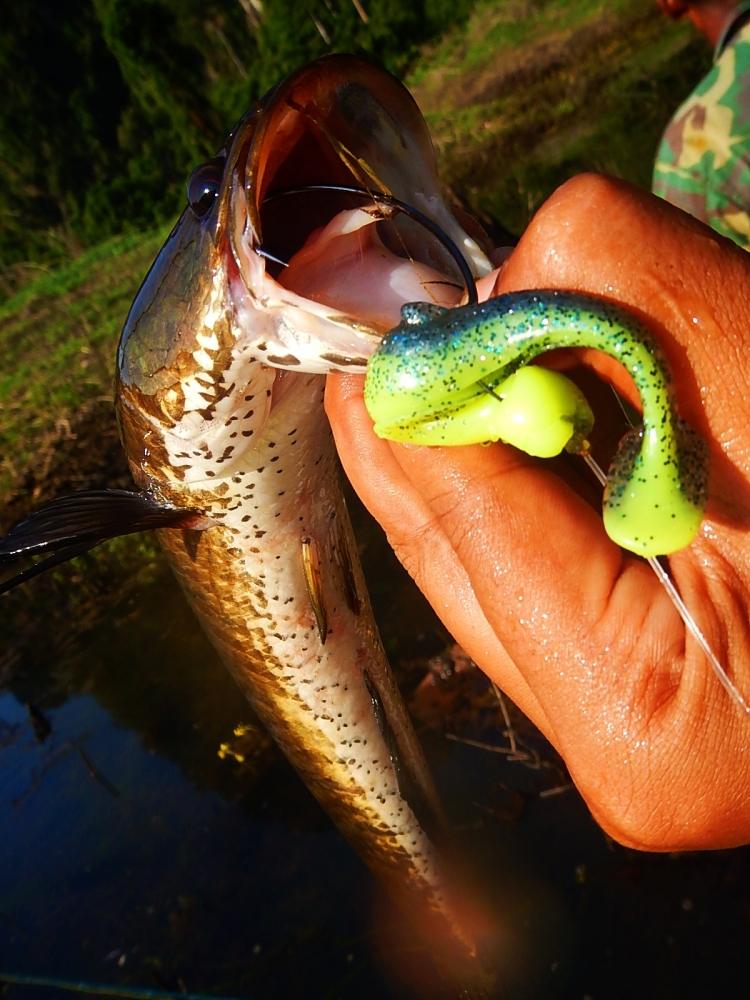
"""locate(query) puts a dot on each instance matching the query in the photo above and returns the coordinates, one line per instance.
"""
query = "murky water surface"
(132, 854)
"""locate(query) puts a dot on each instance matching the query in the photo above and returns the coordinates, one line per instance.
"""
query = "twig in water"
(95, 773)
(509, 730)
(547, 793)
(528, 757)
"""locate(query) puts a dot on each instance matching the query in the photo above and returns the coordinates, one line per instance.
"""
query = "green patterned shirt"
(703, 162)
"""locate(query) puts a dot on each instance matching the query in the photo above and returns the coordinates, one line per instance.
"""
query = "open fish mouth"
(317, 276)
(217, 329)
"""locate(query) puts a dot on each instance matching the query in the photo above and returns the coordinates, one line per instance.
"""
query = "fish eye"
(203, 186)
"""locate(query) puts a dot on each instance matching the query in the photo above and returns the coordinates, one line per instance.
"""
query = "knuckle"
(577, 209)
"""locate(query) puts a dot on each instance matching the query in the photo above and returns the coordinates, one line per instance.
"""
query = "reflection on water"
(131, 853)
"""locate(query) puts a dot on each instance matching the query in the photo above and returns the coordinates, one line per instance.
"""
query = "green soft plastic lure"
(462, 376)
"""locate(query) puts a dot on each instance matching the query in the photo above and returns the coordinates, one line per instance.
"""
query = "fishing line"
(692, 626)
(668, 584)
(267, 255)
(395, 205)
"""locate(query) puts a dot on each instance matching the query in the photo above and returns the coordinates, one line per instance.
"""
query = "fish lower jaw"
(286, 331)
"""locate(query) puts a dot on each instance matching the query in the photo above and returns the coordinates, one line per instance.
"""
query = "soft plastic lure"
(462, 376)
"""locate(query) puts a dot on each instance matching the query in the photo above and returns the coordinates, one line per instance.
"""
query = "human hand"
(579, 633)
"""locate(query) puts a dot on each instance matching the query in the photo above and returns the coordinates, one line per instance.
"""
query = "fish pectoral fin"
(73, 524)
(314, 584)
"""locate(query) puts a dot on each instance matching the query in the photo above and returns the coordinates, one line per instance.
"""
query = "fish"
(219, 401)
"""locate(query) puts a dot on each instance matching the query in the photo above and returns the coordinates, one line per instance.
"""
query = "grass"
(497, 31)
(57, 339)
(532, 93)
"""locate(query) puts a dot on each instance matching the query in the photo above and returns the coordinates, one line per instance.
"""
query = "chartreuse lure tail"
(462, 376)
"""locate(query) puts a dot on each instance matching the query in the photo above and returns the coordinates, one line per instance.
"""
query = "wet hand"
(517, 565)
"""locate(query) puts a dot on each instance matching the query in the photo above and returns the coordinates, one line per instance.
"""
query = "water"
(130, 853)
(145, 859)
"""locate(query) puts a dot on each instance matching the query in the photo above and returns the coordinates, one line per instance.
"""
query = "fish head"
(217, 329)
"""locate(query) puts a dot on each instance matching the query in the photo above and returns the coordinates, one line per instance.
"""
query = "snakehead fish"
(219, 400)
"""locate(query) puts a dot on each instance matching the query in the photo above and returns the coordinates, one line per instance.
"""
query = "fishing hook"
(396, 205)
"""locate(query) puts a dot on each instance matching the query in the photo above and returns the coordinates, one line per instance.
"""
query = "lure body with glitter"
(462, 376)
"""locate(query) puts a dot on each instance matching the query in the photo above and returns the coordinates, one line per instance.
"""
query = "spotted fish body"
(272, 570)
(277, 586)
(312, 665)
(429, 379)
